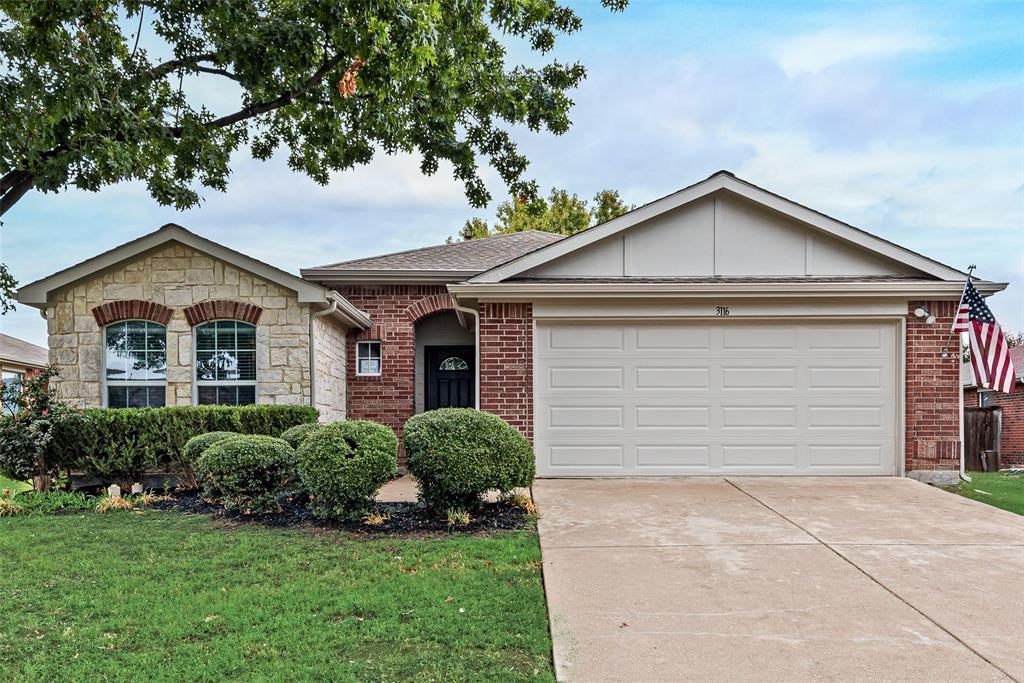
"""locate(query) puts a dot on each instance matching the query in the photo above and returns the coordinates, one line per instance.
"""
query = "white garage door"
(614, 399)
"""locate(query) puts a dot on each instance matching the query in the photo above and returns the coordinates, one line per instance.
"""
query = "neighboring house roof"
(1016, 357)
(440, 263)
(14, 350)
(724, 180)
(37, 293)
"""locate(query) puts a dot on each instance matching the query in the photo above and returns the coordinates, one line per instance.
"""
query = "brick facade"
(394, 309)
(1012, 441)
(932, 395)
(506, 363)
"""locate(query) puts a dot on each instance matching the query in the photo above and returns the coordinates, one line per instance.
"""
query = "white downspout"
(476, 349)
(312, 350)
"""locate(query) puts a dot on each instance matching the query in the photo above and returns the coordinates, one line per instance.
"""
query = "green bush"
(458, 454)
(246, 472)
(344, 464)
(297, 435)
(121, 444)
(185, 465)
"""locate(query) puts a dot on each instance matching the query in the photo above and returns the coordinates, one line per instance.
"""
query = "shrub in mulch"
(387, 518)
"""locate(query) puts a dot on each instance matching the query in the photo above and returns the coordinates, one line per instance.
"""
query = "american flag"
(990, 354)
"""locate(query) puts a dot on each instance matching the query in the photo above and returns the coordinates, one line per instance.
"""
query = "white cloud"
(812, 53)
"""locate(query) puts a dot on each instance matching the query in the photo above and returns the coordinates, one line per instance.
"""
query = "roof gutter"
(533, 291)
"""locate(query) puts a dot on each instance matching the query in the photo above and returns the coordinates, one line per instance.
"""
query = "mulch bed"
(404, 519)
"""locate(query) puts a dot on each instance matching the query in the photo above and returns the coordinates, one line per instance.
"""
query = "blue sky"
(906, 120)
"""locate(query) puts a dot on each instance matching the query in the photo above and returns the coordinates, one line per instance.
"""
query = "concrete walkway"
(772, 579)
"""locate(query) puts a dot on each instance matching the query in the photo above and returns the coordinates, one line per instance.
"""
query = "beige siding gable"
(721, 234)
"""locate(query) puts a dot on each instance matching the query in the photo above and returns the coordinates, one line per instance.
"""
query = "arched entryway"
(445, 357)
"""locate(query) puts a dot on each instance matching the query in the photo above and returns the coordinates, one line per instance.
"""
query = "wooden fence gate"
(982, 429)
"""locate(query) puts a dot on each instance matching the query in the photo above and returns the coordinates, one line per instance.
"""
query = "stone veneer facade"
(178, 277)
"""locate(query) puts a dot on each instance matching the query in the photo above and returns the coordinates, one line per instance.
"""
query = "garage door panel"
(585, 378)
(669, 377)
(747, 378)
(670, 455)
(657, 398)
(649, 417)
(672, 338)
(759, 417)
(832, 456)
(586, 456)
(589, 417)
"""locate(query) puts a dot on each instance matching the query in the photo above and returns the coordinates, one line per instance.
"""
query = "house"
(720, 329)
(1012, 404)
(18, 359)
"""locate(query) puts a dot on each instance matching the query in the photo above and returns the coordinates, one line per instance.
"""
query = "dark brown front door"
(449, 377)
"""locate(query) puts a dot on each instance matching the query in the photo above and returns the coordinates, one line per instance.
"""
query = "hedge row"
(120, 445)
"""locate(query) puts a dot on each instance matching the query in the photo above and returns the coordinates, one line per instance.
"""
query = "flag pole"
(960, 383)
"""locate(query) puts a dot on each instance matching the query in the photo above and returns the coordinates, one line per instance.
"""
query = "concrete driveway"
(780, 579)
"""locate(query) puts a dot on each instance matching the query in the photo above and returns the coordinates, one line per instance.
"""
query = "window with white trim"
(135, 365)
(368, 358)
(225, 360)
(10, 391)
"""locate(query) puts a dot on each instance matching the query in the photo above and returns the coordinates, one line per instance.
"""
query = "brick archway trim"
(222, 309)
(430, 305)
(131, 309)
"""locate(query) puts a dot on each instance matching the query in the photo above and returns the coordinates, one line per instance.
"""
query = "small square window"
(368, 358)
(985, 398)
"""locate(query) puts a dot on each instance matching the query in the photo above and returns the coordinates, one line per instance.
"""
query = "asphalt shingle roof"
(475, 255)
(20, 351)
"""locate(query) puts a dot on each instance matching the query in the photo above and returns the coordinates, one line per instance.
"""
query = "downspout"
(476, 348)
(312, 350)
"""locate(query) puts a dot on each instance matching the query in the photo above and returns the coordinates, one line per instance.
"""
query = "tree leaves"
(560, 213)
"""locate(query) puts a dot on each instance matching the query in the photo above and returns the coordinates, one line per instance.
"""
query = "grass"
(14, 485)
(169, 597)
(1004, 491)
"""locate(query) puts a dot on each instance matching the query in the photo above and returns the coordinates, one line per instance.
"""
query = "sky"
(906, 120)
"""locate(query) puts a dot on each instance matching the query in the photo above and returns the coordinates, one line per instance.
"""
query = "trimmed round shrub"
(198, 444)
(297, 435)
(459, 454)
(185, 464)
(246, 472)
(342, 466)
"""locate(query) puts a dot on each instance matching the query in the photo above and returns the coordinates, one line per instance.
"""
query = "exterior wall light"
(922, 312)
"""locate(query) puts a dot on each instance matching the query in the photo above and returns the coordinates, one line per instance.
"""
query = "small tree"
(27, 429)
(560, 212)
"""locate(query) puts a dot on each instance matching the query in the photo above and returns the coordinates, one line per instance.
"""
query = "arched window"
(225, 359)
(135, 364)
(453, 363)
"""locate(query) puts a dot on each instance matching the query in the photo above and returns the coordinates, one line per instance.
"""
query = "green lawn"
(14, 485)
(170, 597)
(1004, 491)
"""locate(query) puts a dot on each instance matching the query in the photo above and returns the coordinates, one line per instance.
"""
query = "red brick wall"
(1012, 442)
(933, 391)
(394, 310)
(506, 363)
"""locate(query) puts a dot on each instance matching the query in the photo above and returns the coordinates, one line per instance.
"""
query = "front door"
(449, 377)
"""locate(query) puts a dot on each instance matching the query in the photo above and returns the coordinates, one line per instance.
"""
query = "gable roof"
(22, 352)
(439, 263)
(723, 180)
(37, 293)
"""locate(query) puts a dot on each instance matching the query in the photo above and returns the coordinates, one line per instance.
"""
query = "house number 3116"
(721, 311)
